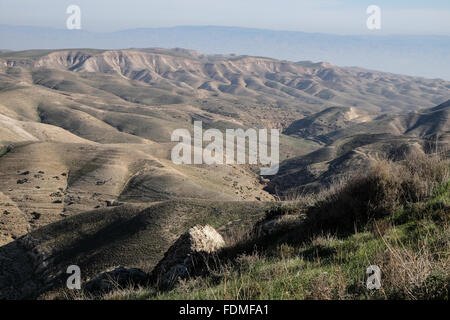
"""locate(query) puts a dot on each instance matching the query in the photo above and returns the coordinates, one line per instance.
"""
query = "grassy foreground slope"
(135, 235)
(395, 217)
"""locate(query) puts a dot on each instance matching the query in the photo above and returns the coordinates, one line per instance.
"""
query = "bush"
(382, 191)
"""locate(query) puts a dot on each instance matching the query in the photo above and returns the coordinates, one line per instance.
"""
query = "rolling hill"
(85, 141)
(354, 146)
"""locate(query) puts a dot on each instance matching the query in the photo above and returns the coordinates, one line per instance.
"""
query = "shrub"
(382, 191)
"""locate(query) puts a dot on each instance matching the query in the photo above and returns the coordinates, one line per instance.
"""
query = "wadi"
(93, 173)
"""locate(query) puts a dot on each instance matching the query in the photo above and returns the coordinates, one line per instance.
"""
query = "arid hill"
(85, 146)
(350, 147)
(82, 128)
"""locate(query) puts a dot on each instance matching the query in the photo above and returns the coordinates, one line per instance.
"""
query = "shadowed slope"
(127, 235)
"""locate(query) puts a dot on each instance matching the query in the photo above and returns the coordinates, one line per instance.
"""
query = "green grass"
(410, 245)
(3, 150)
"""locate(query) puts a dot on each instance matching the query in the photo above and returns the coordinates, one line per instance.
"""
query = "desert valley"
(86, 176)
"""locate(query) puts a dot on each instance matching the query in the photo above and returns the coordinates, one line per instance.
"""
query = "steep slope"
(328, 120)
(85, 144)
(423, 55)
(96, 240)
(20, 131)
(104, 119)
(177, 76)
(46, 182)
(356, 147)
(415, 124)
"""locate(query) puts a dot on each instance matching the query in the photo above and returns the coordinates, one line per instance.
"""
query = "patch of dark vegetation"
(35, 215)
(387, 188)
(5, 149)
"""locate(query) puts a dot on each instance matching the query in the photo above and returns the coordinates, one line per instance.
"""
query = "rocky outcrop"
(189, 255)
(119, 277)
(24, 269)
(113, 203)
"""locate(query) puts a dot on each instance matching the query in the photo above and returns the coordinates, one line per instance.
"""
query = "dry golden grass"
(381, 191)
(407, 270)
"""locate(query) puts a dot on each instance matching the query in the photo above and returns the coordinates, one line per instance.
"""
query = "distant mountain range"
(425, 56)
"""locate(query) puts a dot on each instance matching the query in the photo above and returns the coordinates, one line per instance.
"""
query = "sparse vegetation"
(383, 218)
(87, 177)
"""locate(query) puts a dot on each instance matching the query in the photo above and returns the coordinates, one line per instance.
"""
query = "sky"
(324, 16)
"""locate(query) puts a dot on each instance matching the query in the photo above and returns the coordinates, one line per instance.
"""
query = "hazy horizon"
(419, 55)
(347, 17)
(375, 35)
(413, 39)
(240, 150)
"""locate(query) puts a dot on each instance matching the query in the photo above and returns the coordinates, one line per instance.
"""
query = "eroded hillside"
(84, 128)
(85, 145)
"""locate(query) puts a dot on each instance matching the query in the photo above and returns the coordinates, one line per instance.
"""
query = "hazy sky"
(328, 16)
